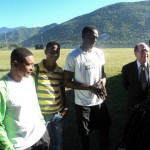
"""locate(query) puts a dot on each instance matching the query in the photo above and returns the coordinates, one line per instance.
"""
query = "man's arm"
(64, 110)
(5, 144)
(102, 82)
(70, 83)
(62, 88)
(125, 81)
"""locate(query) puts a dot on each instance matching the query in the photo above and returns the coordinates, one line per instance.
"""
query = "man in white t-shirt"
(22, 126)
(84, 72)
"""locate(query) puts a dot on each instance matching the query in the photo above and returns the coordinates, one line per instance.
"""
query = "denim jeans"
(54, 123)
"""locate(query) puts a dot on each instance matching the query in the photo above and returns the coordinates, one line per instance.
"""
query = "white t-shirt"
(23, 120)
(87, 69)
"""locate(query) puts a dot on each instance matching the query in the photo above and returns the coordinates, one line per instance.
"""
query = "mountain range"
(120, 25)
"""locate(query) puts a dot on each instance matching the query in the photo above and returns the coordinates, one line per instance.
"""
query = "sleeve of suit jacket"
(125, 81)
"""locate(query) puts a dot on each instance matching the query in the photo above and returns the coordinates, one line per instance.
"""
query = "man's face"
(142, 53)
(25, 69)
(90, 38)
(52, 54)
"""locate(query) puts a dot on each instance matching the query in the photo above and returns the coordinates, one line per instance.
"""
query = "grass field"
(116, 100)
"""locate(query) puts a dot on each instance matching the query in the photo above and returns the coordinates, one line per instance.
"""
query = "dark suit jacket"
(132, 84)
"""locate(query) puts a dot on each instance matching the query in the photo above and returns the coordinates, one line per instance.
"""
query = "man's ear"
(15, 63)
(45, 51)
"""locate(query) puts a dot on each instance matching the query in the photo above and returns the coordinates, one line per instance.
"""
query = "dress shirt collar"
(139, 64)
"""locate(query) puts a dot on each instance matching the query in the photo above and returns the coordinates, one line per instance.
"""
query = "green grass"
(116, 100)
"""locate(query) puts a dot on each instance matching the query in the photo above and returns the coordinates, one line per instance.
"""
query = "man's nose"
(32, 67)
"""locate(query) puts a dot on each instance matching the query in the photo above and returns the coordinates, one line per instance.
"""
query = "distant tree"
(13, 45)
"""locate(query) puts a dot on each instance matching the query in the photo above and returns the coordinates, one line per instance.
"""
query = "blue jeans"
(54, 123)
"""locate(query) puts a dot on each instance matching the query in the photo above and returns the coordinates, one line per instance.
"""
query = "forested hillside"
(120, 25)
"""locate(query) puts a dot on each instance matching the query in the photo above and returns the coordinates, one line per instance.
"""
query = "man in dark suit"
(131, 76)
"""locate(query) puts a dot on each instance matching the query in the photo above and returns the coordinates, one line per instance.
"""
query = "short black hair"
(49, 44)
(19, 54)
(87, 29)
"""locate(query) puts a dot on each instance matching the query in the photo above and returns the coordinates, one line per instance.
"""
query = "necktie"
(143, 76)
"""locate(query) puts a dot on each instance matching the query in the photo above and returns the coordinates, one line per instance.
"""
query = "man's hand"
(64, 112)
(100, 93)
(101, 84)
(99, 89)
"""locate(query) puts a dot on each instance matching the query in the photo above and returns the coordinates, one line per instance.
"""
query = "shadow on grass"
(117, 106)
(116, 102)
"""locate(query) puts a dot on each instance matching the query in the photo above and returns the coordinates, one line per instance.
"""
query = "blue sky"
(38, 13)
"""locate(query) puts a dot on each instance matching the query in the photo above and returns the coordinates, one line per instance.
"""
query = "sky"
(39, 13)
